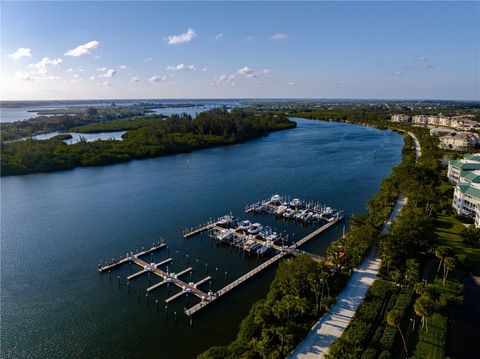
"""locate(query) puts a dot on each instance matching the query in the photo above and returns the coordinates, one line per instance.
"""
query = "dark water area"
(57, 227)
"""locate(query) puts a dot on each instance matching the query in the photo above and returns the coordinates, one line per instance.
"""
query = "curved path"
(332, 324)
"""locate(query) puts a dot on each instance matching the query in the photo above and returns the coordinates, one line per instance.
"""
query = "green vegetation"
(431, 344)
(300, 292)
(151, 139)
(66, 119)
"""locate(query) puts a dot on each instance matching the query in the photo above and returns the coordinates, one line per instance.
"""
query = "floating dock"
(167, 278)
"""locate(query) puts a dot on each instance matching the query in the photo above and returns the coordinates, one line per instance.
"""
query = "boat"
(328, 211)
(276, 199)
(280, 210)
(244, 225)
(224, 221)
(262, 250)
(272, 238)
(224, 235)
(255, 228)
(295, 202)
(288, 213)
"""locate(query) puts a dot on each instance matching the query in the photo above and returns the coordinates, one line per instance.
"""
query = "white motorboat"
(295, 202)
(280, 210)
(224, 221)
(276, 199)
(244, 225)
(224, 235)
(255, 228)
(288, 213)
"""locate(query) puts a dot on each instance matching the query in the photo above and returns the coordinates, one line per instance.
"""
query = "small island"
(147, 136)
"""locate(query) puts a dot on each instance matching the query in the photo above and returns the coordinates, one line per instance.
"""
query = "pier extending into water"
(167, 277)
(227, 229)
(281, 252)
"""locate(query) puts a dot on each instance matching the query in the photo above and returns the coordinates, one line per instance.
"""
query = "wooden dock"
(153, 268)
(283, 251)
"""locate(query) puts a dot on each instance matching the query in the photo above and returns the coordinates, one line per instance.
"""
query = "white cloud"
(148, 59)
(24, 76)
(265, 71)
(279, 37)
(205, 69)
(156, 78)
(109, 74)
(76, 76)
(180, 67)
(247, 39)
(246, 71)
(123, 67)
(53, 77)
(92, 78)
(398, 73)
(134, 79)
(85, 49)
(292, 83)
(21, 52)
(426, 66)
(101, 69)
(41, 66)
(219, 36)
(106, 83)
(185, 37)
(226, 77)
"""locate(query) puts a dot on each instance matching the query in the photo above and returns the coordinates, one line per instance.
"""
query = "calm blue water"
(57, 227)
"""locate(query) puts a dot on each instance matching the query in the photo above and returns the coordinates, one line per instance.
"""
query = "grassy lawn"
(448, 229)
(431, 344)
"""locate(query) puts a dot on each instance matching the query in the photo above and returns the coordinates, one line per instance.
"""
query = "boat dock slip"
(185, 271)
(209, 225)
(153, 268)
(155, 286)
(200, 282)
(128, 257)
(166, 261)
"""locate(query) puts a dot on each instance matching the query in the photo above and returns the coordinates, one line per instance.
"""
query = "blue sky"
(85, 50)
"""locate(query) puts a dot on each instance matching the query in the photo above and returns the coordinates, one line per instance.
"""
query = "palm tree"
(423, 307)
(440, 253)
(393, 319)
(448, 264)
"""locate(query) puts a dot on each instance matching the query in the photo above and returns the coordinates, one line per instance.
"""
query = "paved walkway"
(335, 322)
(418, 148)
(332, 324)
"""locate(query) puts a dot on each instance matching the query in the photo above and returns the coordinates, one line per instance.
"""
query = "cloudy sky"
(88, 50)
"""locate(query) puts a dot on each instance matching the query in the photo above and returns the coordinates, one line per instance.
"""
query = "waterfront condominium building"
(400, 118)
(465, 173)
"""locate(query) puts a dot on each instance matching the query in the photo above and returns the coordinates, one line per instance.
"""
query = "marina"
(249, 237)
(284, 207)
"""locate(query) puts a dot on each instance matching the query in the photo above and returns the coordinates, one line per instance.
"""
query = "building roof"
(470, 177)
(472, 157)
(465, 166)
(467, 189)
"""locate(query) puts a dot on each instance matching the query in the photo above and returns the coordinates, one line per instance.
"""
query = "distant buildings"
(400, 118)
(453, 140)
(448, 139)
(464, 122)
(465, 173)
